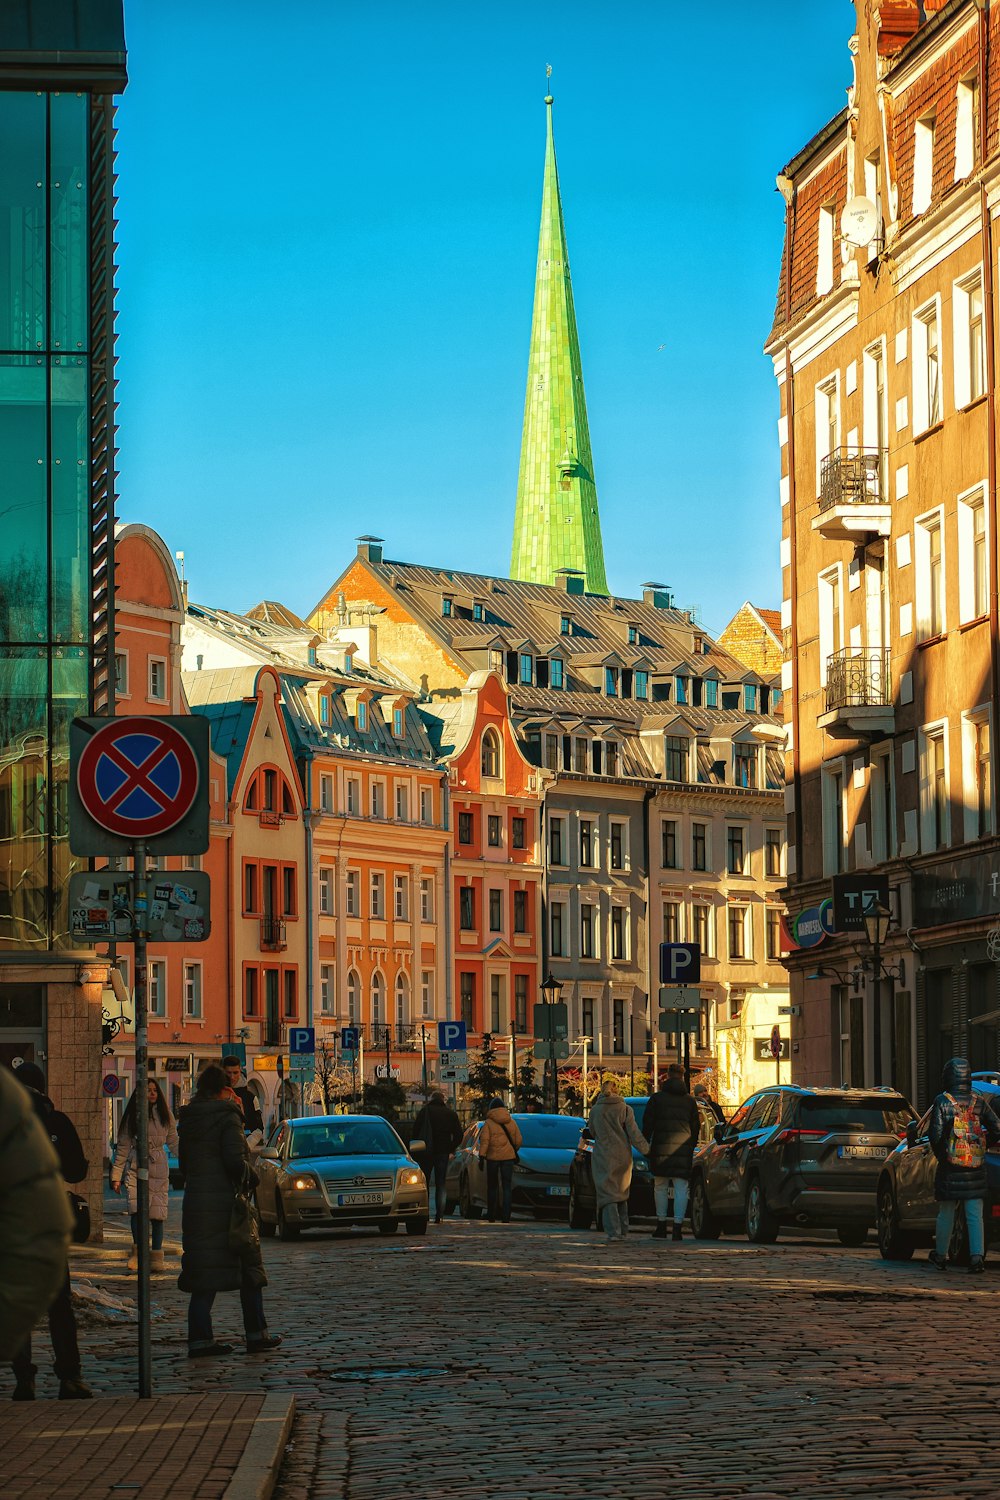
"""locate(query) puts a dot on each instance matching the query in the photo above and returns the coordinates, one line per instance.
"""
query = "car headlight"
(410, 1178)
(304, 1182)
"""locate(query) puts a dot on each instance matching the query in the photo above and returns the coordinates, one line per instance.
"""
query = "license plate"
(868, 1153)
(356, 1200)
(557, 1192)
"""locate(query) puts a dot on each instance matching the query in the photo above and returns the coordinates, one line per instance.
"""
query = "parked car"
(582, 1204)
(337, 1170)
(794, 1155)
(906, 1207)
(541, 1177)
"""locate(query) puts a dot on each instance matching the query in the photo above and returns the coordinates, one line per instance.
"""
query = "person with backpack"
(439, 1127)
(612, 1124)
(498, 1145)
(962, 1124)
(162, 1136)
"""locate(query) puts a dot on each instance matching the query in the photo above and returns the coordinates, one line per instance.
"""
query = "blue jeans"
(973, 1222)
(665, 1188)
(615, 1220)
(200, 1315)
(499, 1178)
(156, 1228)
(435, 1168)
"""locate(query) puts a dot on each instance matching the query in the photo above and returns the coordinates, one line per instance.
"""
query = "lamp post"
(550, 992)
(876, 920)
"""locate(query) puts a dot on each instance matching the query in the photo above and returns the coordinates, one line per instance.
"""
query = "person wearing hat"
(439, 1127)
(498, 1145)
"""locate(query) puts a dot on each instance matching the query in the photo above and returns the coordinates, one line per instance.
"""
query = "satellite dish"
(859, 221)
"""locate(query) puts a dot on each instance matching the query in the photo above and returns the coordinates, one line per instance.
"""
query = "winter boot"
(133, 1258)
(940, 1262)
(976, 1265)
(25, 1388)
(677, 1235)
(156, 1260)
(74, 1390)
(660, 1232)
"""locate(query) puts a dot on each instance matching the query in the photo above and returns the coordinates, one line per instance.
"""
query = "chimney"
(658, 595)
(570, 580)
(370, 548)
(897, 22)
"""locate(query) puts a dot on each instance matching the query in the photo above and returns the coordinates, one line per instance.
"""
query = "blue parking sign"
(451, 1036)
(301, 1039)
(349, 1039)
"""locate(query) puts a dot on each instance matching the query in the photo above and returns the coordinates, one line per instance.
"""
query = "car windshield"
(869, 1113)
(558, 1132)
(350, 1138)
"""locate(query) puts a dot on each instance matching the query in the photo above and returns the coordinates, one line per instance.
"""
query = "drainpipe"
(446, 914)
(787, 189)
(991, 421)
(307, 818)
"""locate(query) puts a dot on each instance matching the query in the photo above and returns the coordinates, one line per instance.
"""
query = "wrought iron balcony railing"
(858, 678)
(853, 476)
(272, 935)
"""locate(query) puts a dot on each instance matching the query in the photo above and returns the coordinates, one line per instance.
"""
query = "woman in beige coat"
(498, 1145)
(162, 1133)
(612, 1124)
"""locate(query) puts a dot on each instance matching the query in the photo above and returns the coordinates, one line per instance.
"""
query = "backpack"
(967, 1143)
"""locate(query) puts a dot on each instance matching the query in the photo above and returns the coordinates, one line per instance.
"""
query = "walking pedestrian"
(62, 1323)
(124, 1170)
(961, 1126)
(215, 1160)
(612, 1124)
(499, 1141)
(439, 1126)
(253, 1120)
(670, 1124)
(701, 1094)
(35, 1223)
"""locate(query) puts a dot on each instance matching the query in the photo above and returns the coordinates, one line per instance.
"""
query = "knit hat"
(31, 1075)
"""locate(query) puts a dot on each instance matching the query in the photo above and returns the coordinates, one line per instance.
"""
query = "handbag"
(244, 1225)
(81, 1219)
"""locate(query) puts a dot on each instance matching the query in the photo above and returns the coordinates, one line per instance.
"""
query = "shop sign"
(957, 890)
(853, 895)
(812, 926)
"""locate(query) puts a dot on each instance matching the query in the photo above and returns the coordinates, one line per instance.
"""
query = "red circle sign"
(111, 1083)
(137, 777)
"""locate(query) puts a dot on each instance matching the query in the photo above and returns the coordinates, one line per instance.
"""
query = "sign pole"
(423, 1059)
(687, 1058)
(142, 1117)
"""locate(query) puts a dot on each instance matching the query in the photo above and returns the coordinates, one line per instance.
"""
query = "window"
(353, 796)
(831, 620)
(557, 849)
(611, 758)
(640, 685)
(353, 902)
(250, 993)
(827, 424)
(526, 666)
(973, 558)
(402, 802)
(378, 895)
(490, 753)
(923, 163)
(699, 846)
(477, 611)
(744, 763)
(517, 832)
(832, 786)
(446, 607)
(378, 997)
(701, 915)
(157, 679)
(426, 900)
(289, 904)
(586, 843)
(611, 682)
(361, 717)
(467, 908)
(736, 849)
(749, 698)
(496, 1004)
(398, 725)
(192, 991)
(586, 929)
(324, 709)
(739, 923)
(618, 1026)
(465, 828)
(580, 755)
(326, 794)
(618, 844)
(966, 128)
(521, 1003)
(493, 830)
(633, 635)
(121, 674)
(378, 799)
(711, 692)
(675, 754)
(772, 851)
(935, 811)
(156, 986)
(671, 922)
(401, 897)
(926, 368)
(556, 672)
(565, 625)
(883, 809)
(827, 239)
(552, 752)
(326, 877)
(928, 546)
(968, 346)
(976, 773)
(496, 911)
(426, 993)
(467, 999)
(402, 1003)
(353, 997)
(619, 933)
(426, 805)
(250, 888)
(875, 414)
(520, 911)
(327, 989)
(668, 844)
(772, 932)
(557, 924)
(680, 690)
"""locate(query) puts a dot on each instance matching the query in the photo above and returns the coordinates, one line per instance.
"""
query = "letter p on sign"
(680, 963)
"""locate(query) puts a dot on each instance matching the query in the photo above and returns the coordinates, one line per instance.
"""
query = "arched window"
(353, 996)
(402, 1000)
(378, 998)
(491, 753)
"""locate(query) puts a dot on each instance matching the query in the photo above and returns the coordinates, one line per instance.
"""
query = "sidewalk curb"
(257, 1471)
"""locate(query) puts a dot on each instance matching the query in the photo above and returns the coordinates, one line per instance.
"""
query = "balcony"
(403, 1037)
(858, 695)
(853, 503)
(272, 935)
(268, 818)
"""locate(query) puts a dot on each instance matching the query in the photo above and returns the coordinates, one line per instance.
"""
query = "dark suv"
(797, 1156)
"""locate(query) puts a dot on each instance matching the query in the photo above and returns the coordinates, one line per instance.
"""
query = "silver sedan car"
(330, 1171)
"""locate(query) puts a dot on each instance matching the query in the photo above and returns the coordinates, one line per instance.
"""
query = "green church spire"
(556, 524)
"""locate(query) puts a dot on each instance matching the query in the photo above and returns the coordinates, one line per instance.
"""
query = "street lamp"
(550, 993)
(876, 919)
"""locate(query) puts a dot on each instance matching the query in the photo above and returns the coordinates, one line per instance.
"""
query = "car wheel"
(761, 1224)
(579, 1217)
(416, 1226)
(893, 1244)
(466, 1207)
(283, 1229)
(703, 1222)
(852, 1235)
(389, 1226)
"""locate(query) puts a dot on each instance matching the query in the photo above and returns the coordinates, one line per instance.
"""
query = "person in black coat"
(252, 1117)
(961, 1126)
(439, 1126)
(670, 1124)
(214, 1157)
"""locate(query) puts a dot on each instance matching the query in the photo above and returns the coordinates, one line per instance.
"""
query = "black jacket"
(440, 1127)
(252, 1117)
(952, 1183)
(213, 1155)
(61, 1131)
(670, 1124)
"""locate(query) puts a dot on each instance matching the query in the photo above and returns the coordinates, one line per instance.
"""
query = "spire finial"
(548, 75)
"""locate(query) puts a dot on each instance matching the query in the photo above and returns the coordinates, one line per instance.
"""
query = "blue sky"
(328, 224)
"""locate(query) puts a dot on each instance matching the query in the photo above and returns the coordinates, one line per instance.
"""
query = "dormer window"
(447, 605)
(633, 635)
(556, 672)
(611, 682)
(313, 659)
(362, 715)
(744, 763)
(749, 698)
(611, 757)
(526, 669)
(477, 611)
(565, 625)
(681, 689)
(675, 757)
(324, 709)
(348, 661)
(397, 723)
(640, 685)
(711, 693)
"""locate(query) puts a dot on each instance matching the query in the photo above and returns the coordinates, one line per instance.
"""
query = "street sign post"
(680, 1000)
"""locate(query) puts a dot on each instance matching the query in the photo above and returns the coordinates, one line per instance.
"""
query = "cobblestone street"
(530, 1361)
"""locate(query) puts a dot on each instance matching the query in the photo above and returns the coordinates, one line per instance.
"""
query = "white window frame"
(151, 695)
(326, 803)
(194, 991)
(923, 162)
(971, 503)
(744, 828)
(774, 828)
(426, 993)
(426, 899)
(875, 423)
(966, 113)
(595, 931)
(377, 800)
(882, 789)
(825, 249)
(626, 954)
(834, 849)
(328, 989)
(352, 899)
(923, 525)
(353, 996)
(972, 719)
(699, 904)
(156, 988)
(747, 955)
(962, 292)
(924, 317)
(376, 895)
(622, 823)
(673, 900)
(121, 677)
(831, 625)
(927, 736)
(827, 411)
(402, 802)
(562, 906)
(426, 805)
(563, 821)
(401, 898)
(327, 886)
(353, 792)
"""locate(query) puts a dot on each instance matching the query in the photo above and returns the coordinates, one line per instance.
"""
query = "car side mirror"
(721, 1133)
(267, 1153)
(417, 1146)
(912, 1132)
